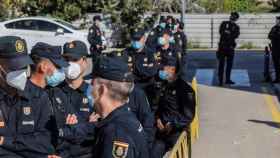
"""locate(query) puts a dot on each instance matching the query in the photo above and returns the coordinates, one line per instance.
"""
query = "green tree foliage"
(275, 4)
(126, 15)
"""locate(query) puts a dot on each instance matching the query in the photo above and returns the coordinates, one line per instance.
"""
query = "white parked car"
(41, 29)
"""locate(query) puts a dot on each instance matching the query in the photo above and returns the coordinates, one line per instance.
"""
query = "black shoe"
(230, 82)
(276, 81)
(221, 84)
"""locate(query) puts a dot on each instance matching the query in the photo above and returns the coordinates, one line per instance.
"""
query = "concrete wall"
(203, 30)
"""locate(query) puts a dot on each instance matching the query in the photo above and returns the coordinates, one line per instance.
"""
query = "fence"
(203, 30)
(182, 148)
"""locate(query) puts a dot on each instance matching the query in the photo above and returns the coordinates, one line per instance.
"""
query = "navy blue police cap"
(75, 50)
(137, 34)
(112, 69)
(53, 53)
(234, 15)
(97, 17)
(13, 50)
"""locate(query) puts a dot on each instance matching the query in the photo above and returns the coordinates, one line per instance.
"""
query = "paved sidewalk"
(236, 124)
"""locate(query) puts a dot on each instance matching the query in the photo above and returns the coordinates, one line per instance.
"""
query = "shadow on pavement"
(268, 123)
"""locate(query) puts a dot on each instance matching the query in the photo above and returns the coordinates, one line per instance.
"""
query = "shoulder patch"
(120, 149)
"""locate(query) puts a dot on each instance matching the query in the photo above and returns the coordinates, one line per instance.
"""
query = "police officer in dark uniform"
(176, 108)
(229, 32)
(274, 36)
(138, 101)
(33, 112)
(74, 97)
(142, 58)
(119, 133)
(13, 60)
(95, 38)
(181, 38)
(153, 35)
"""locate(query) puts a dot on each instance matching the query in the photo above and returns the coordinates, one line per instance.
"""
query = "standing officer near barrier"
(176, 107)
(95, 38)
(274, 36)
(229, 32)
(13, 59)
(119, 133)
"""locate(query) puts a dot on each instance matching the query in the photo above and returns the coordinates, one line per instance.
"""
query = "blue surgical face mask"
(56, 78)
(137, 45)
(163, 75)
(162, 25)
(161, 41)
(171, 40)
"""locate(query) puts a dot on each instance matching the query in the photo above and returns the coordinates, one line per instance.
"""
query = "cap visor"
(18, 62)
(60, 62)
(73, 56)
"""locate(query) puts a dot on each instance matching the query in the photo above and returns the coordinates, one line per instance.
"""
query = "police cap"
(75, 50)
(53, 53)
(112, 69)
(14, 50)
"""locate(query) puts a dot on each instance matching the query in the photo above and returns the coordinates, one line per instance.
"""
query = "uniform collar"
(31, 90)
(65, 86)
(113, 115)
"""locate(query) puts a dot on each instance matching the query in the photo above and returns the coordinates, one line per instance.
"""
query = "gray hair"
(117, 90)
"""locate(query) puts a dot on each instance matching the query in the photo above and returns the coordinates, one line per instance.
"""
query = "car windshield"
(67, 24)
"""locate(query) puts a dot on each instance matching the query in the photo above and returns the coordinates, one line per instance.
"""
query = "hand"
(1, 140)
(98, 46)
(160, 125)
(94, 117)
(168, 128)
(71, 119)
(53, 156)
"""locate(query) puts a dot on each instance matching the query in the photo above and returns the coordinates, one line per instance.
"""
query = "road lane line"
(270, 102)
(205, 76)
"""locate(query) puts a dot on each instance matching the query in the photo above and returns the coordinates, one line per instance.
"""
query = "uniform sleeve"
(78, 133)
(146, 117)
(187, 105)
(115, 143)
(37, 141)
(184, 44)
(272, 33)
(222, 28)
(237, 32)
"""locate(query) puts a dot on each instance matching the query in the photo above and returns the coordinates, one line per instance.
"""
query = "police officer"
(176, 108)
(33, 107)
(275, 41)
(181, 38)
(74, 97)
(119, 133)
(153, 35)
(166, 47)
(13, 60)
(142, 58)
(95, 38)
(138, 101)
(229, 32)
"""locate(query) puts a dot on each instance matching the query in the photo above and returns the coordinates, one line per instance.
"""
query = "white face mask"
(73, 71)
(17, 79)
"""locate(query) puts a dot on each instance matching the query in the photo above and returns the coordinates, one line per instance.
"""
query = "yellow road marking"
(270, 101)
